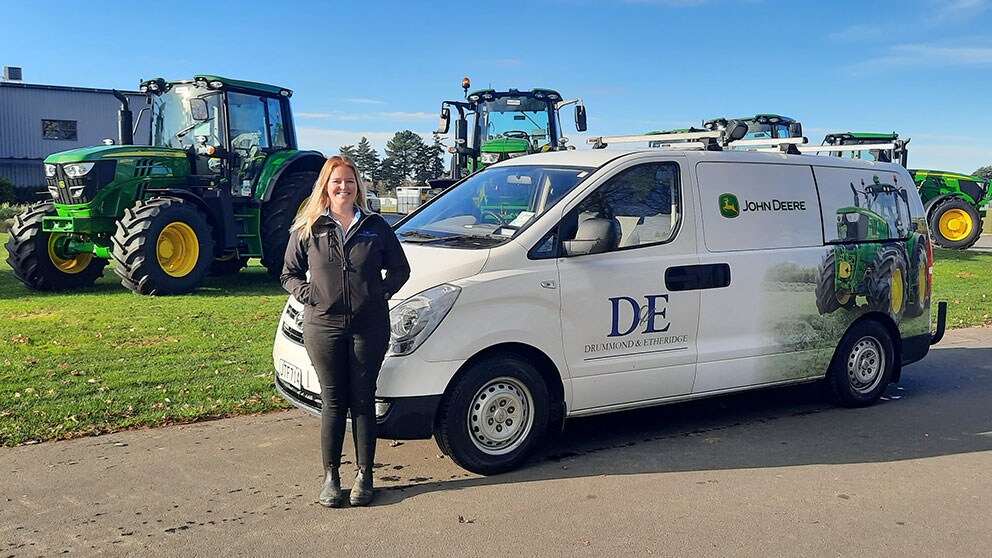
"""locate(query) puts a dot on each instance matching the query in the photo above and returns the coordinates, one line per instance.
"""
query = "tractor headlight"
(49, 170)
(489, 158)
(413, 321)
(75, 170)
(517, 154)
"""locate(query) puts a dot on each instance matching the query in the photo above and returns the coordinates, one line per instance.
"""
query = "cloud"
(371, 116)
(958, 9)
(926, 55)
(329, 142)
(365, 101)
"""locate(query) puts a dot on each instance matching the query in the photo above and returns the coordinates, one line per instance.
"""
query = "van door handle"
(549, 284)
(697, 277)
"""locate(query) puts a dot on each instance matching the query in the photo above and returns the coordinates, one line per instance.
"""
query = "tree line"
(409, 161)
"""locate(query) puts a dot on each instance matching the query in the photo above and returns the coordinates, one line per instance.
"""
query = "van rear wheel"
(494, 415)
(862, 366)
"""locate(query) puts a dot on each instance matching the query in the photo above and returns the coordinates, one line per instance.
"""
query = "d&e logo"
(627, 310)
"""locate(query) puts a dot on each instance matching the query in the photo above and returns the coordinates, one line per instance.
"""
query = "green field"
(105, 359)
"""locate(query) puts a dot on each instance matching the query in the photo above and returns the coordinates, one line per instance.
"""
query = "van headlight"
(414, 319)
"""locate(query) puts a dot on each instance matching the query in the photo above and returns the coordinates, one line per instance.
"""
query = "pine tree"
(367, 160)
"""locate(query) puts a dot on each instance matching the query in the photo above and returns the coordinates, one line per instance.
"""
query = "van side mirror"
(445, 121)
(580, 118)
(593, 236)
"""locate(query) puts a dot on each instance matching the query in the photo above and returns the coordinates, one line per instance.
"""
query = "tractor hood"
(104, 152)
(505, 145)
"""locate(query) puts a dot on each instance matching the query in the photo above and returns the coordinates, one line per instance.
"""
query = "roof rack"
(888, 152)
(715, 140)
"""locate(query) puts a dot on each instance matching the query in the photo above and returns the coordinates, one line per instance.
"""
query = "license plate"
(289, 374)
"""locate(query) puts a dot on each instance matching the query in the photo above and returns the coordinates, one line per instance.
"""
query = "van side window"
(638, 206)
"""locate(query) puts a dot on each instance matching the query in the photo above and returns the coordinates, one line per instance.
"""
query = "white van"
(581, 282)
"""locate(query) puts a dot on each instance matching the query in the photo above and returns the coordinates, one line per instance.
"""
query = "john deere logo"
(61, 184)
(729, 206)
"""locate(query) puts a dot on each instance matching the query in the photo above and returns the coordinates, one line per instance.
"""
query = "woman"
(346, 248)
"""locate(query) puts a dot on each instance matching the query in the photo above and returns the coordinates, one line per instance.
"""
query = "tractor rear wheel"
(917, 299)
(163, 246)
(290, 193)
(887, 287)
(36, 256)
(955, 224)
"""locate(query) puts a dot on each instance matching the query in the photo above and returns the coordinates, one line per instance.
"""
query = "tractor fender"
(283, 163)
(928, 206)
(215, 203)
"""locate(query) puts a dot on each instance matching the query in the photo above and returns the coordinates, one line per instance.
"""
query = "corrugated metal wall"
(24, 106)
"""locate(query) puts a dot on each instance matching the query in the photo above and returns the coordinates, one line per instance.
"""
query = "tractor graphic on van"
(892, 276)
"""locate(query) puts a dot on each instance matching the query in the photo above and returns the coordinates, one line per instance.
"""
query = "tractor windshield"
(491, 206)
(516, 117)
(765, 131)
(172, 119)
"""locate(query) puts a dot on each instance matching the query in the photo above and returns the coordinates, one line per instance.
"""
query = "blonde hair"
(319, 201)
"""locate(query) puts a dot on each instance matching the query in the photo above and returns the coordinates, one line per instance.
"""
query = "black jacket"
(346, 282)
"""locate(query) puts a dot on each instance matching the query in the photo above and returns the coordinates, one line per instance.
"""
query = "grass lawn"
(103, 359)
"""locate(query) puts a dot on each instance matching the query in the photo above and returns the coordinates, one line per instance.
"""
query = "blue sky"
(920, 67)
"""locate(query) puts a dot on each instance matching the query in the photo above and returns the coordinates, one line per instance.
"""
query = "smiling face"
(342, 189)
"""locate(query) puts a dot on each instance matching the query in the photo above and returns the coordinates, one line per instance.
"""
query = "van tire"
(862, 367)
(494, 414)
(827, 297)
(887, 286)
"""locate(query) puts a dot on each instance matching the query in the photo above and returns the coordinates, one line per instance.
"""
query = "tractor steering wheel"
(499, 220)
(517, 134)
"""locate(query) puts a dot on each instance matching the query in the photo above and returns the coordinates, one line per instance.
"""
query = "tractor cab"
(884, 213)
(761, 126)
(227, 127)
(493, 126)
(885, 148)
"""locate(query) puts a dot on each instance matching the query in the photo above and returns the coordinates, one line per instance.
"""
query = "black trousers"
(347, 361)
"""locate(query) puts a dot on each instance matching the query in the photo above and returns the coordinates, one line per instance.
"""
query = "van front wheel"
(862, 366)
(494, 415)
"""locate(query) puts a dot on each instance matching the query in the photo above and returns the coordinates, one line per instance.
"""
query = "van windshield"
(491, 206)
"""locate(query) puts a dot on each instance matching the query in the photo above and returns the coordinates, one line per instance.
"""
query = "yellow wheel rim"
(71, 265)
(955, 224)
(177, 249)
(845, 270)
(897, 291)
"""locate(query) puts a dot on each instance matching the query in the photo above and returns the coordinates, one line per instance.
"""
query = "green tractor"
(892, 278)
(952, 200)
(221, 182)
(505, 124)
(761, 126)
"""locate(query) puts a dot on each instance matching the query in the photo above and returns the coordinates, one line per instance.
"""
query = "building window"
(58, 130)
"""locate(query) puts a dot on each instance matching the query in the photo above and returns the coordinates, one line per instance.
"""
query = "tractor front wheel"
(39, 260)
(955, 224)
(917, 299)
(228, 265)
(290, 193)
(828, 298)
(163, 246)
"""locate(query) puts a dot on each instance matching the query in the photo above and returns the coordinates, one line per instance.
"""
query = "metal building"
(38, 120)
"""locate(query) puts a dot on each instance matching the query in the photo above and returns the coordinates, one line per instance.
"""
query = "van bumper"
(400, 418)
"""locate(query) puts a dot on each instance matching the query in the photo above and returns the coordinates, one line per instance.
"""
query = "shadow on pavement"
(939, 408)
